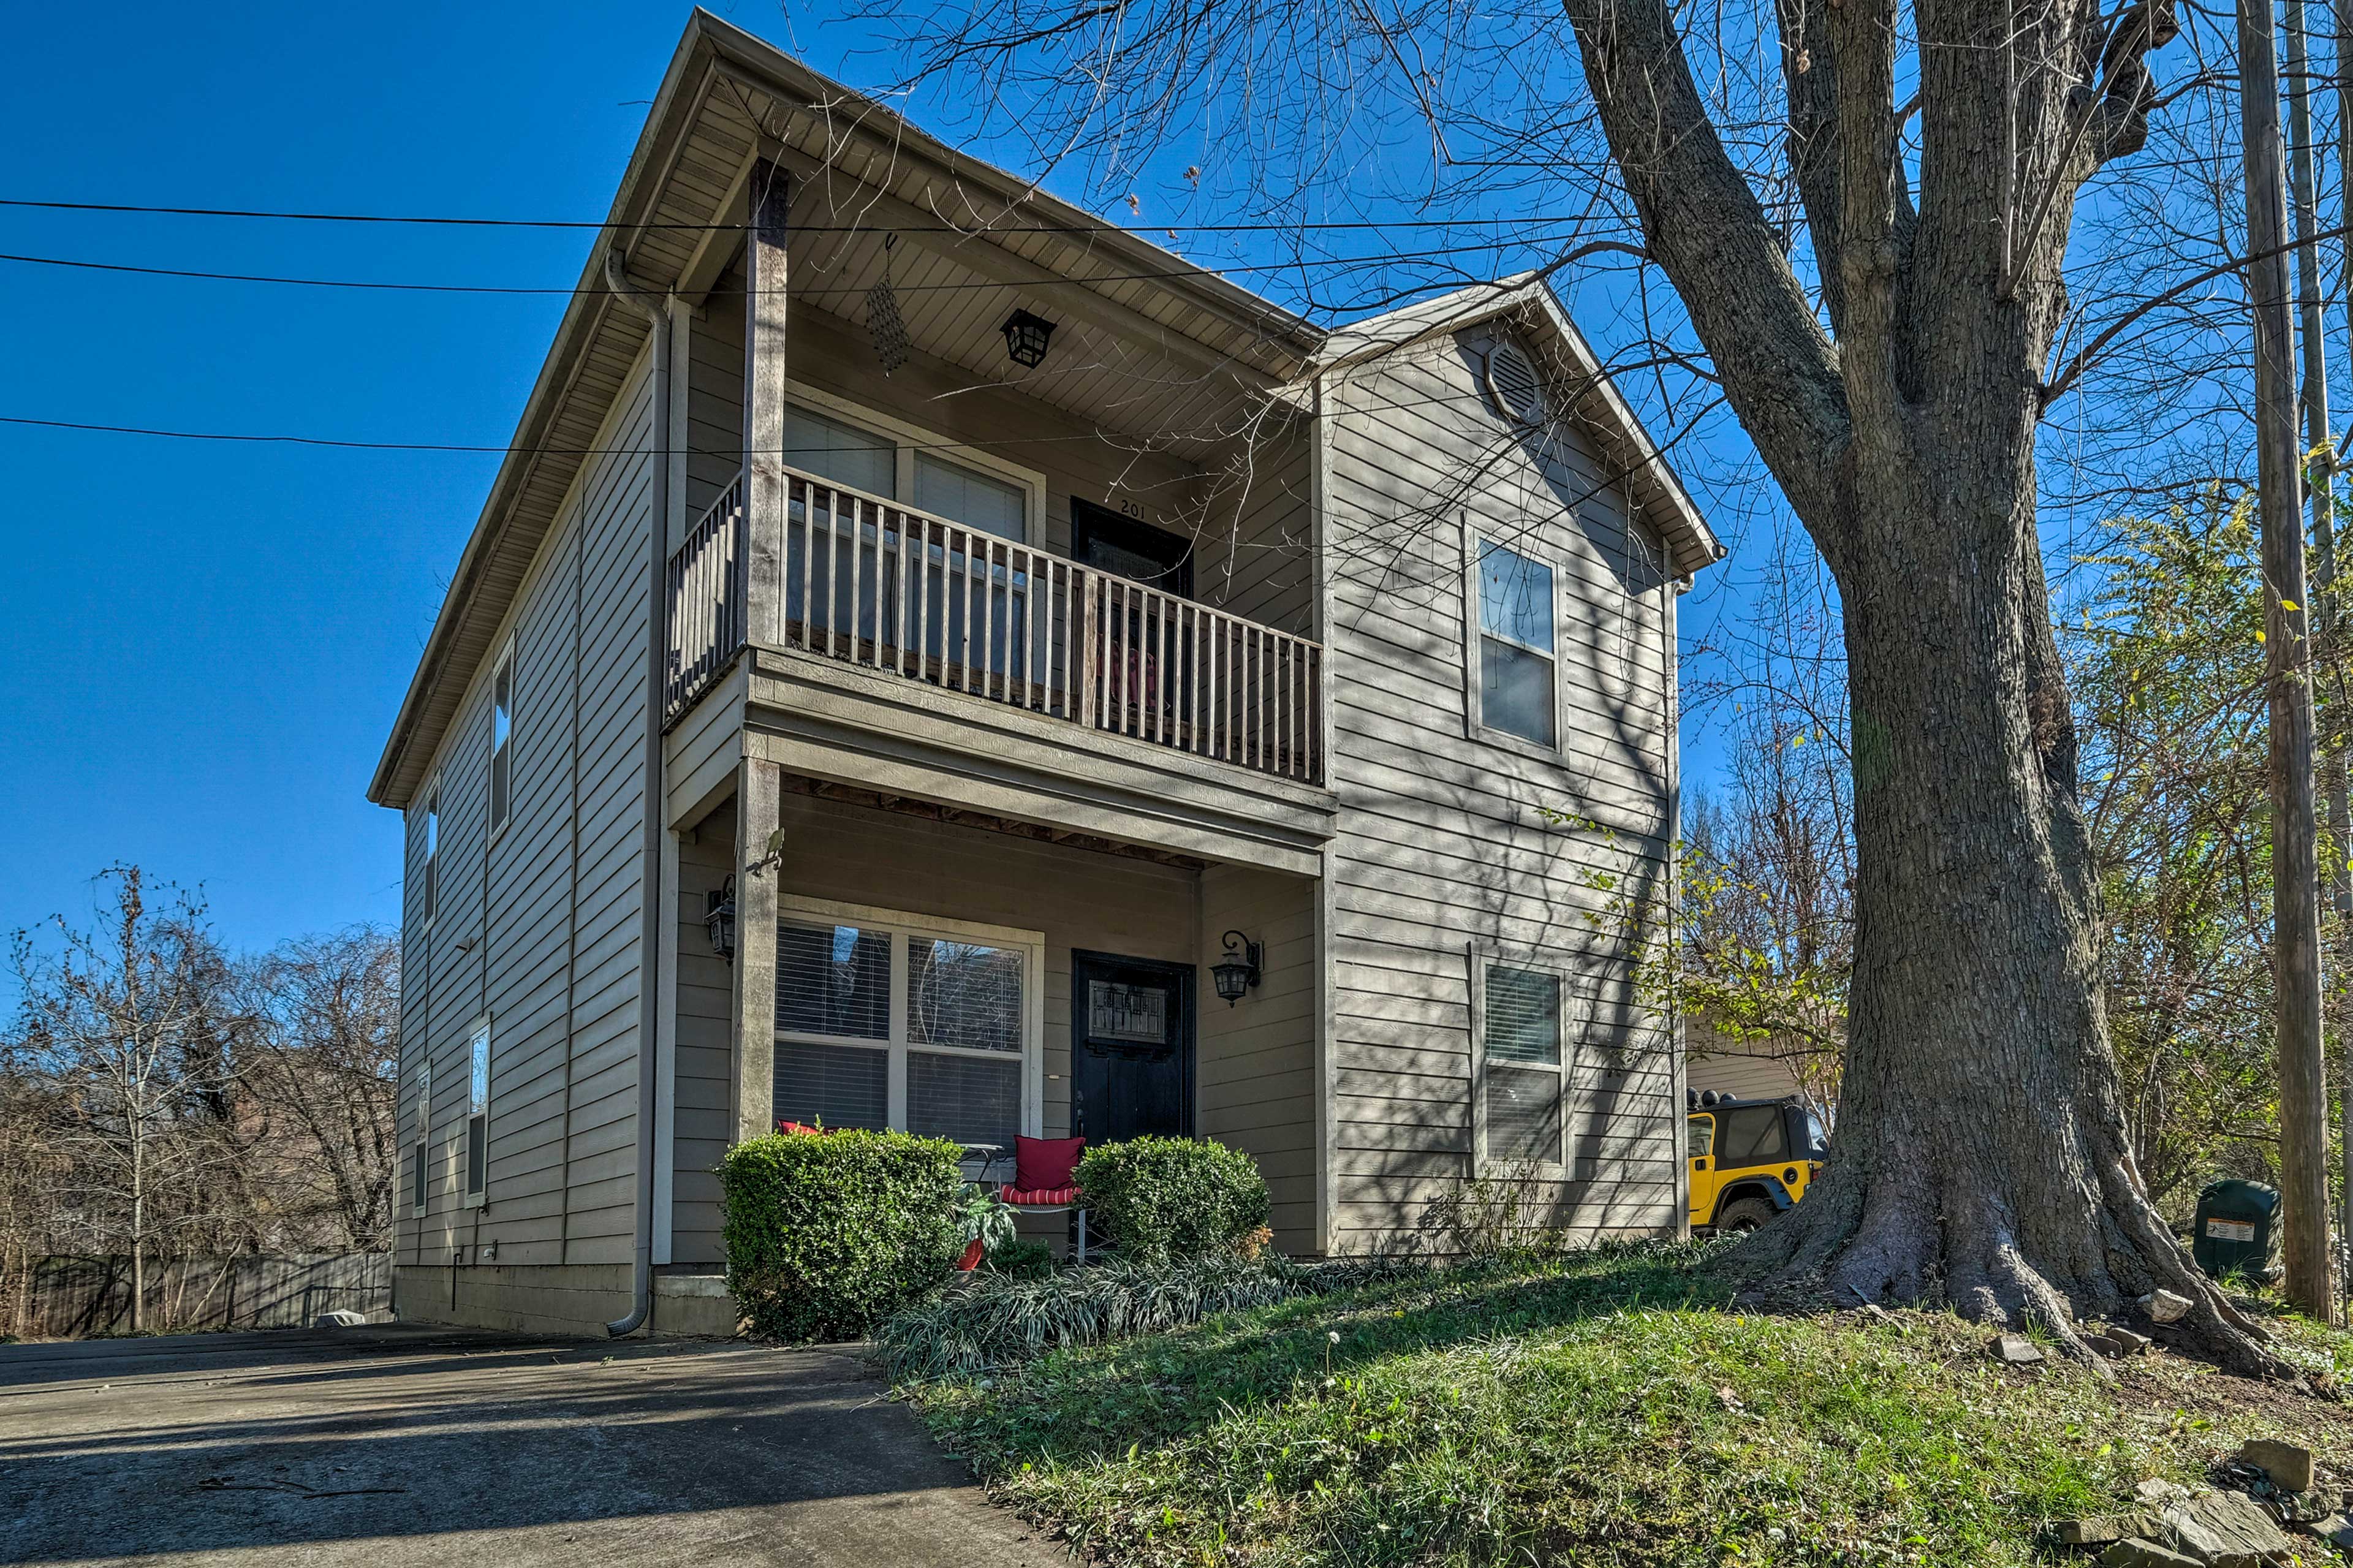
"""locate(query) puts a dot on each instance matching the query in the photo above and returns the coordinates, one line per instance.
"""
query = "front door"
(1131, 1047)
(1155, 557)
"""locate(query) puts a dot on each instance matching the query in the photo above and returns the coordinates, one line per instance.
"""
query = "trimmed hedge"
(1163, 1198)
(829, 1235)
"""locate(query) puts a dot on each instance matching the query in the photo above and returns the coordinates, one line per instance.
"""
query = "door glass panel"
(1703, 1137)
(1133, 1015)
(968, 1100)
(1524, 1115)
(833, 980)
(963, 994)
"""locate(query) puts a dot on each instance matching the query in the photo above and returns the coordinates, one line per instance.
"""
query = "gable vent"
(1513, 381)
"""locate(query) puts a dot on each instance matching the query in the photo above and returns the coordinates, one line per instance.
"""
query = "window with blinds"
(896, 1026)
(1523, 1067)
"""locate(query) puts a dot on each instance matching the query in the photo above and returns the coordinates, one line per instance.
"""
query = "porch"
(916, 968)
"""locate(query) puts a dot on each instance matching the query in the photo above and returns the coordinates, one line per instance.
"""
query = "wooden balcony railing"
(872, 582)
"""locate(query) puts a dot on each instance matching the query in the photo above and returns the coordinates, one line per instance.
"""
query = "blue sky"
(207, 642)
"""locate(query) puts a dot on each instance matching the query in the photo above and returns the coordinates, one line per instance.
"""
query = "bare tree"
(320, 1069)
(1865, 211)
(128, 1033)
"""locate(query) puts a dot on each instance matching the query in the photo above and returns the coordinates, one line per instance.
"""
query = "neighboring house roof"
(729, 99)
(1528, 303)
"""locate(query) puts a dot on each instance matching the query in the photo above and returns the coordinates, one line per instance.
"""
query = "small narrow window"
(501, 734)
(426, 896)
(1520, 1047)
(478, 1112)
(419, 1191)
(1515, 645)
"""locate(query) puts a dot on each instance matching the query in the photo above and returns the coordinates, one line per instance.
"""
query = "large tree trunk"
(1981, 1157)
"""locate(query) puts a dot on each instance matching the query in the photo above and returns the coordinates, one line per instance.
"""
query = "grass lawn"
(1603, 1408)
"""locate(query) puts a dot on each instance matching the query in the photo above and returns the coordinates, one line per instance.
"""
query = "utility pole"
(2296, 871)
(2324, 539)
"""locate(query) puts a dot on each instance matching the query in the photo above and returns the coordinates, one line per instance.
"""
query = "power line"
(1075, 229)
(80, 264)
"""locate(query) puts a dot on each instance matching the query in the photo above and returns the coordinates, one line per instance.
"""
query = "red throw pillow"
(795, 1129)
(1041, 1164)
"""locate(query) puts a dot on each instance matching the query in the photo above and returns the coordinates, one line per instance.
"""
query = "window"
(1515, 645)
(898, 1022)
(501, 734)
(1521, 1068)
(430, 873)
(1701, 1136)
(477, 1113)
(1754, 1135)
(419, 1190)
(831, 449)
(959, 494)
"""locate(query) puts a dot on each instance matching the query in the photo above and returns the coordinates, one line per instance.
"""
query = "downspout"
(616, 276)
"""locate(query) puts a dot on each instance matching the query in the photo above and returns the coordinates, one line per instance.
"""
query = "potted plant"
(985, 1221)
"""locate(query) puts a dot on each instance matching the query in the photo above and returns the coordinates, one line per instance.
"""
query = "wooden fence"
(75, 1297)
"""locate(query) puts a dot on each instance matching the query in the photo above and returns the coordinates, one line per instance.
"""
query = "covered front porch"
(918, 966)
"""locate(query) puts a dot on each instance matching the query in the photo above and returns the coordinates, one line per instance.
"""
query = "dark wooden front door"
(1131, 1047)
(1152, 556)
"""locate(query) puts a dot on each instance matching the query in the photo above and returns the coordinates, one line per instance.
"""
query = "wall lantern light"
(1238, 970)
(719, 918)
(1024, 338)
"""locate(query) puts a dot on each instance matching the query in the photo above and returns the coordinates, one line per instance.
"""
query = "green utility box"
(2237, 1228)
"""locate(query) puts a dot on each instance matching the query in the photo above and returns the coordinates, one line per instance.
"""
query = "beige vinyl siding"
(1255, 1074)
(703, 1079)
(1443, 840)
(547, 908)
(1256, 552)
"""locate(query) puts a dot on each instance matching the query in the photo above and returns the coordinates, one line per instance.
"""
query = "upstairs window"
(430, 873)
(501, 740)
(1522, 1065)
(1515, 645)
(477, 1113)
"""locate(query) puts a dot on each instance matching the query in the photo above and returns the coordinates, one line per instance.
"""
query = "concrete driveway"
(407, 1445)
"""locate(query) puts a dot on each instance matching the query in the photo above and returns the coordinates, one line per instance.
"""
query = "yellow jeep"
(1750, 1159)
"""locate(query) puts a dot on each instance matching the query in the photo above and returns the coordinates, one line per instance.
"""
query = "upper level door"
(1131, 1047)
(1138, 550)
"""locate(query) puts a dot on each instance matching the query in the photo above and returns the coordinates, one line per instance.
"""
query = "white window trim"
(479, 1029)
(907, 438)
(1482, 956)
(1475, 726)
(420, 1191)
(502, 665)
(902, 924)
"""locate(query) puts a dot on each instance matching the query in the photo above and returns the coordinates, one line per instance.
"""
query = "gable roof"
(1527, 302)
(729, 99)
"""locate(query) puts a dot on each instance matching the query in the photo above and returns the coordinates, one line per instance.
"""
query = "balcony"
(868, 581)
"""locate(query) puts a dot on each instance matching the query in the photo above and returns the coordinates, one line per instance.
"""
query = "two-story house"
(923, 631)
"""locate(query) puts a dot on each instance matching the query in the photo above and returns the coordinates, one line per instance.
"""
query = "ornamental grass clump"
(1163, 1198)
(828, 1234)
(1005, 1318)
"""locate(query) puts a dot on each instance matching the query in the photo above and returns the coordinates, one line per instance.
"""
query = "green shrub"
(1160, 1198)
(1005, 1318)
(827, 1236)
(1030, 1259)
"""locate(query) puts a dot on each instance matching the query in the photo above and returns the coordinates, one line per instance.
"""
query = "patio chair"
(1044, 1181)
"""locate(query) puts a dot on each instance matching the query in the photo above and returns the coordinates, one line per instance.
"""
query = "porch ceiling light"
(719, 918)
(1024, 338)
(1238, 970)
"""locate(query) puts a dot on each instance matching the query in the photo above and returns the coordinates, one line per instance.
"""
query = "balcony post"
(759, 806)
(765, 492)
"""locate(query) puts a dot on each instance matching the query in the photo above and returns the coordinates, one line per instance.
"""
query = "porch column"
(759, 800)
(764, 407)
